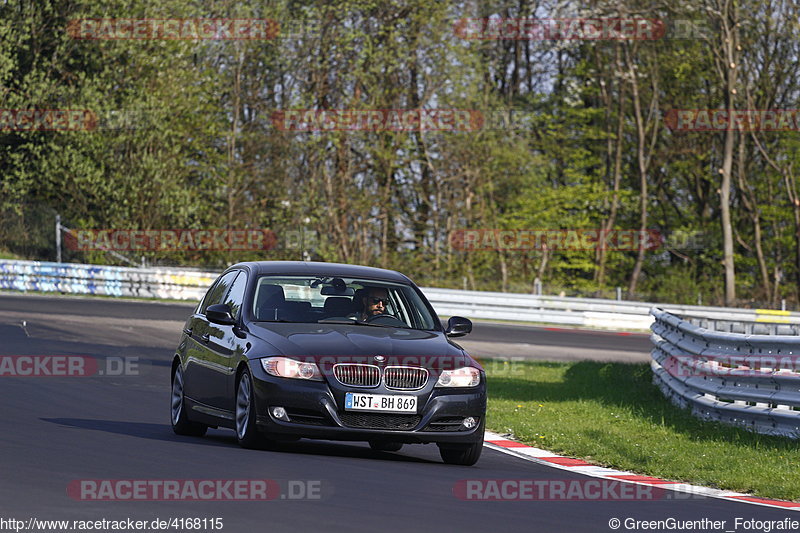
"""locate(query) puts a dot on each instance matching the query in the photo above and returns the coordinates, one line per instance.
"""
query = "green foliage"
(186, 140)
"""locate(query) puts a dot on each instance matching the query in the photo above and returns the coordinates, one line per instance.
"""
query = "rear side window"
(218, 291)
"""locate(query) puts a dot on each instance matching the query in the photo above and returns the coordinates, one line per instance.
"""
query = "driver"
(374, 303)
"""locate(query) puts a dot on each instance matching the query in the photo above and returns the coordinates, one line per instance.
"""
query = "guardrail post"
(58, 238)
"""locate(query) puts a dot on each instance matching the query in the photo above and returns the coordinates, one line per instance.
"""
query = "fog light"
(280, 413)
(469, 422)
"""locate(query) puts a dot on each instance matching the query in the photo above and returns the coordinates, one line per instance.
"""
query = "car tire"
(247, 433)
(181, 424)
(383, 446)
(463, 454)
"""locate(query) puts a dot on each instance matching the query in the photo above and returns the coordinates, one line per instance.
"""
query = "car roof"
(313, 268)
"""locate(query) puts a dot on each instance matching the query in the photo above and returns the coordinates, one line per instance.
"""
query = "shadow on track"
(163, 432)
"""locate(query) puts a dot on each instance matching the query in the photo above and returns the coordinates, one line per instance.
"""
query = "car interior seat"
(338, 306)
(270, 300)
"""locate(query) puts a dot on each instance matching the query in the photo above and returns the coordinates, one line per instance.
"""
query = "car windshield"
(334, 300)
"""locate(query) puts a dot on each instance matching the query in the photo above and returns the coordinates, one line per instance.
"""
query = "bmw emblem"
(379, 359)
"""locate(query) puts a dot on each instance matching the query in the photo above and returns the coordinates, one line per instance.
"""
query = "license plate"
(355, 401)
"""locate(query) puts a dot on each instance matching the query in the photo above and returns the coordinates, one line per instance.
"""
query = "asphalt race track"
(115, 426)
(487, 339)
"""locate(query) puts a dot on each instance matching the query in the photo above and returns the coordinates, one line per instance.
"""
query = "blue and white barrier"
(70, 278)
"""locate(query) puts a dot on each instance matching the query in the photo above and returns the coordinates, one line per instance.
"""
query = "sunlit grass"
(611, 414)
(8, 255)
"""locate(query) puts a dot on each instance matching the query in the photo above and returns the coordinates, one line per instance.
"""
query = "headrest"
(337, 304)
(270, 296)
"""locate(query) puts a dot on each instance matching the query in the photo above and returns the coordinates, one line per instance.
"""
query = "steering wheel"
(384, 319)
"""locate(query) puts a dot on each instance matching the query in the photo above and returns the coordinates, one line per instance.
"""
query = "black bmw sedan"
(280, 350)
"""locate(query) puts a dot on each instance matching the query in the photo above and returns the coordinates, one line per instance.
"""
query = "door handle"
(205, 338)
(188, 331)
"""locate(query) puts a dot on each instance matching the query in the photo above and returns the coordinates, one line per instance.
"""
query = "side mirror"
(220, 314)
(458, 326)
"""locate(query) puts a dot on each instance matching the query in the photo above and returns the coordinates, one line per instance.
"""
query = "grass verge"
(8, 255)
(611, 414)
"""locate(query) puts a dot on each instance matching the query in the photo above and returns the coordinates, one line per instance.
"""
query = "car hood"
(340, 343)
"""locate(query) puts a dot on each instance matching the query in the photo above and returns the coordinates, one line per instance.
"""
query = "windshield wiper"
(339, 321)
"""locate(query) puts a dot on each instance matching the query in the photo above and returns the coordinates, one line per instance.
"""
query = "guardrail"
(71, 278)
(589, 312)
(735, 378)
(184, 284)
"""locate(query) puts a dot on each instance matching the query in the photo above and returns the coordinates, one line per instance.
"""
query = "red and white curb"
(598, 331)
(537, 455)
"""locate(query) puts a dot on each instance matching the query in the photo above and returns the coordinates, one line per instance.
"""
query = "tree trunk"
(642, 168)
(727, 65)
(750, 202)
(791, 188)
(612, 216)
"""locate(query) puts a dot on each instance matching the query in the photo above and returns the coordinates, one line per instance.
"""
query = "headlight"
(283, 367)
(461, 377)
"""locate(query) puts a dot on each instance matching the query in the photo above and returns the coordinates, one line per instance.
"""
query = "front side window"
(339, 300)
(217, 291)
(236, 295)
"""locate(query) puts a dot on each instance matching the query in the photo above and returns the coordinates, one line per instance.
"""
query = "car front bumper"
(316, 410)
